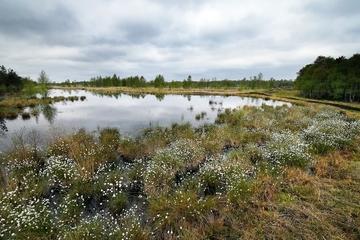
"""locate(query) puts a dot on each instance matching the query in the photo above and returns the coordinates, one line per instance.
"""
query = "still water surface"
(128, 113)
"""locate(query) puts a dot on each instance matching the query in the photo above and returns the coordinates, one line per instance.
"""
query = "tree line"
(331, 78)
(256, 82)
(9, 80)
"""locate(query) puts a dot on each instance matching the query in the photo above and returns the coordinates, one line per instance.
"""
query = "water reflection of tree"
(188, 96)
(49, 112)
(135, 95)
(3, 127)
(160, 96)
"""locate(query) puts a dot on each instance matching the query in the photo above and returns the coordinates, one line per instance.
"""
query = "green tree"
(43, 81)
(188, 82)
(9, 80)
(159, 81)
(29, 87)
(43, 78)
(142, 81)
(329, 78)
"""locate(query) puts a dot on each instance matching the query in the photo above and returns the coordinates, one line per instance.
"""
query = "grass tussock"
(257, 173)
(13, 106)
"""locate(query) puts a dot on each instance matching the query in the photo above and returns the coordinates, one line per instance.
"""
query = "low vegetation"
(257, 173)
(12, 107)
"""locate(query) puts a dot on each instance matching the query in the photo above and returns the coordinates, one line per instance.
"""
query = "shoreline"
(285, 95)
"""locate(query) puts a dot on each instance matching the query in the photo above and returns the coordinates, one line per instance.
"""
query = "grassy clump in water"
(284, 172)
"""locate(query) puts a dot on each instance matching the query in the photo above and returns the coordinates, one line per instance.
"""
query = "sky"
(222, 39)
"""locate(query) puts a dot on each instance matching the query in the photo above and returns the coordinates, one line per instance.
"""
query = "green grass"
(258, 173)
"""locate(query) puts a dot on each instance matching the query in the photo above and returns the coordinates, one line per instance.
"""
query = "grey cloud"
(130, 33)
(107, 41)
(223, 39)
(247, 28)
(352, 34)
(99, 54)
(139, 32)
(54, 26)
(333, 9)
(287, 72)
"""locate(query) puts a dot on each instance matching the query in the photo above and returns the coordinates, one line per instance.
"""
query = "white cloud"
(224, 39)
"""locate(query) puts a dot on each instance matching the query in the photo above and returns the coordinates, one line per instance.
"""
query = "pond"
(129, 113)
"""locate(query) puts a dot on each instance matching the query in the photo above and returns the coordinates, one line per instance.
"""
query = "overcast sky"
(80, 39)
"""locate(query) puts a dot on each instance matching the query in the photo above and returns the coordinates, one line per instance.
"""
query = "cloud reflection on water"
(128, 113)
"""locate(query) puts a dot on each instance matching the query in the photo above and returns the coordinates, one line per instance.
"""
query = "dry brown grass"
(333, 165)
(297, 205)
(85, 151)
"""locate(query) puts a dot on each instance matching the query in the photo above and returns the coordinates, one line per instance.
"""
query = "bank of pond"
(253, 172)
(74, 109)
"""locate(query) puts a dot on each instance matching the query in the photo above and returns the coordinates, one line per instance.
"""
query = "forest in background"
(331, 78)
(326, 78)
(256, 82)
(10, 81)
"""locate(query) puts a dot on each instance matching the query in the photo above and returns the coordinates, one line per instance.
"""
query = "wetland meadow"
(181, 167)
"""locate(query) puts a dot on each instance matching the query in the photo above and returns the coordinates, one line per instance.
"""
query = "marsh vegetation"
(257, 173)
